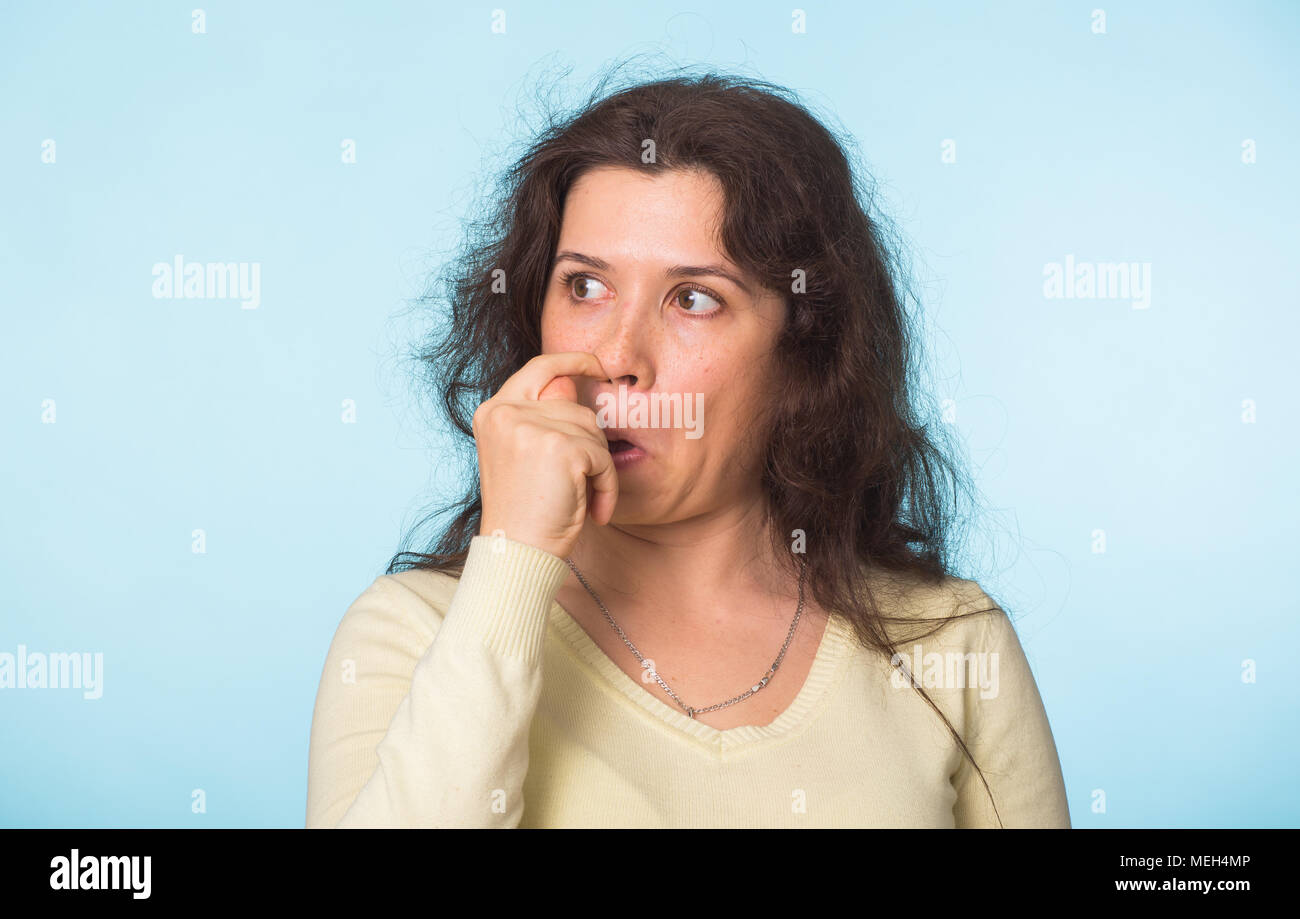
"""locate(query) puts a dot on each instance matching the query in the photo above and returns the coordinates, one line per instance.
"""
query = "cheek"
(705, 382)
(548, 329)
(559, 334)
(735, 397)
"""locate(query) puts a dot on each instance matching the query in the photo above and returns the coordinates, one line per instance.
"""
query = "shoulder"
(952, 638)
(405, 607)
(954, 624)
(421, 588)
(951, 610)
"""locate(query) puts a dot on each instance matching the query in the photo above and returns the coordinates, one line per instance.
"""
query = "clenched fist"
(543, 461)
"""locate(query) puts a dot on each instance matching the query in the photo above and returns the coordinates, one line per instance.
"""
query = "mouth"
(624, 451)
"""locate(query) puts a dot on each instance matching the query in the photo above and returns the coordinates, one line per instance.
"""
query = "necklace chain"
(692, 712)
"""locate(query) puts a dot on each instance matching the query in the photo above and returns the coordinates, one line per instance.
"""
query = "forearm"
(455, 751)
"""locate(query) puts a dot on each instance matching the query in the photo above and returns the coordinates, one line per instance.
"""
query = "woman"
(733, 610)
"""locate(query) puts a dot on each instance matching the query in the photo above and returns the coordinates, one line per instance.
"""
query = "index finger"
(529, 381)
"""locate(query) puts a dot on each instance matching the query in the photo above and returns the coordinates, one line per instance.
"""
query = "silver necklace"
(692, 712)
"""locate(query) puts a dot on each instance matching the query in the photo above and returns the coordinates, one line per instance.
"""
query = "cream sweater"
(480, 702)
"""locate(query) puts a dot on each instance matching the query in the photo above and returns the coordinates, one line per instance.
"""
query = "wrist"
(502, 535)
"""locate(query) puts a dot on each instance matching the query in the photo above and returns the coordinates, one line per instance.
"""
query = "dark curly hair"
(848, 462)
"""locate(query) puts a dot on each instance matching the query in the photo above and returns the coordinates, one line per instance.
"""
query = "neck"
(704, 570)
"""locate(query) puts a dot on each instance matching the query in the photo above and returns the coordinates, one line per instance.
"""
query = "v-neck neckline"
(832, 649)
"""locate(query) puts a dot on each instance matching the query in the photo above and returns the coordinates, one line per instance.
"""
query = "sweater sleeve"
(423, 713)
(1008, 733)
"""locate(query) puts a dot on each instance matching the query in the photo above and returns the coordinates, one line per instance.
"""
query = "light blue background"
(1078, 415)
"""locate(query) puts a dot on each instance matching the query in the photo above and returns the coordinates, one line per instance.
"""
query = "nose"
(626, 344)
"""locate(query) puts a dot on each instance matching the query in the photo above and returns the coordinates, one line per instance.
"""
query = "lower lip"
(628, 457)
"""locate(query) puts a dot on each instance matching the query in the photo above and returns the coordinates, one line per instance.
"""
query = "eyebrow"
(676, 271)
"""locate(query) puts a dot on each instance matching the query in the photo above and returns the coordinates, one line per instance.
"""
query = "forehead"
(642, 214)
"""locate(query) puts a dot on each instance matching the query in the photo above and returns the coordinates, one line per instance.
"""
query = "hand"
(543, 461)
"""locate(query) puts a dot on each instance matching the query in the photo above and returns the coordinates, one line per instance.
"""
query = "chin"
(632, 510)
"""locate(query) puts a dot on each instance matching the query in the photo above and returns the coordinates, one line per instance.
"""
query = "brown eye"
(697, 301)
(583, 285)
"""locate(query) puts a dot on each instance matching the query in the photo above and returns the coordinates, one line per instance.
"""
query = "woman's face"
(639, 280)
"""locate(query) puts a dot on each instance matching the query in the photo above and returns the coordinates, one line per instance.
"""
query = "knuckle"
(526, 435)
(553, 442)
(479, 418)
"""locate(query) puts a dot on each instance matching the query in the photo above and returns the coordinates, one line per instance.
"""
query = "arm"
(433, 732)
(1009, 736)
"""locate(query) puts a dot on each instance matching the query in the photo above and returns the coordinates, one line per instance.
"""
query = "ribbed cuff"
(504, 597)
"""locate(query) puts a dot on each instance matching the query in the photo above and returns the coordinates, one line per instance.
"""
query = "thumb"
(559, 388)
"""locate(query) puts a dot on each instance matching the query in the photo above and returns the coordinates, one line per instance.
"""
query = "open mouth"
(625, 453)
